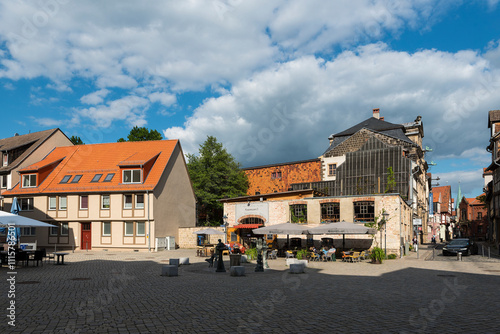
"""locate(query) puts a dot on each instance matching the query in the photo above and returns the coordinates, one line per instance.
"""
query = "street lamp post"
(225, 226)
(386, 215)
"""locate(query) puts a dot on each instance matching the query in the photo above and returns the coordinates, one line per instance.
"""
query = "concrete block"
(296, 268)
(183, 261)
(174, 262)
(244, 258)
(169, 270)
(237, 271)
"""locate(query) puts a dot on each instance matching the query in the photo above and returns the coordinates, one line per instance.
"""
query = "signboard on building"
(431, 206)
(417, 222)
(252, 209)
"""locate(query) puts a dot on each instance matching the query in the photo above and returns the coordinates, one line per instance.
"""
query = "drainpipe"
(149, 224)
(400, 236)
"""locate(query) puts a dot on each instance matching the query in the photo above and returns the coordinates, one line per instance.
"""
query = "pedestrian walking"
(415, 243)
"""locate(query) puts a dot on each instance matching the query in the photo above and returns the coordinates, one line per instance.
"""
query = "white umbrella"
(9, 219)
(284, 228)
(343, 228)
(208, 231)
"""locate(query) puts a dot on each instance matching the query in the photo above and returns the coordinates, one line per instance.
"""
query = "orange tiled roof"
(89, 160)
(445, 193)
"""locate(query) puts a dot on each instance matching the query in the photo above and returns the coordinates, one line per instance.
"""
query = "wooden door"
(86, 236)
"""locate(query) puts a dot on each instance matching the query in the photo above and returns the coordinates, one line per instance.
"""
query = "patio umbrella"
(343, 228)
(284, 228)
(208, 231)
(16, 234)
(9, 219)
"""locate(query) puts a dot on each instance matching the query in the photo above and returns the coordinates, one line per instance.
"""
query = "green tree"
(215, 174)
(142, 134)
(391, 181)
(76, 140)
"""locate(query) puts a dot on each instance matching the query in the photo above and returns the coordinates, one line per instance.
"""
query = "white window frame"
(5, 159)
(127, 206)
(102, 202)
(132, 172)
(143, 224)
(139, 205)
(103, 232)
(52, 205)
(61, 206)
(3, 181)
(30, 178)
(128, 234)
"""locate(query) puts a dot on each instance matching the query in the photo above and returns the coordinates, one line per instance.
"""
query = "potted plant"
(302, 254)
(377, 255)
(251, 253)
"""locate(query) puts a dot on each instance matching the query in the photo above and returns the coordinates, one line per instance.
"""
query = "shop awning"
(248, 226)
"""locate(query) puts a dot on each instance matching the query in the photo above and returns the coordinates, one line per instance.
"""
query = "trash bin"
(234, 260)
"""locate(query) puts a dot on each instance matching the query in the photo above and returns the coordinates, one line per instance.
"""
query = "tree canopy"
(76, 140)
(142, 134)
(215, 174)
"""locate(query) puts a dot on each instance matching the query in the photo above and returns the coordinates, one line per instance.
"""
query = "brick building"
(280, 177)
(473, 218)
(493, 186)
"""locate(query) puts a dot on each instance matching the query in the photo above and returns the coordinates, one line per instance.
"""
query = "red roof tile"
(89, 160)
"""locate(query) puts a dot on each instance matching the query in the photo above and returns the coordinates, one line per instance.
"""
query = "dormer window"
(132, 176)
(66, 178)
(76, 179)
(96, 178)
(29, 181)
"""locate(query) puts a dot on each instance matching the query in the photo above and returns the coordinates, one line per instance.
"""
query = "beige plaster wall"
(174, 199)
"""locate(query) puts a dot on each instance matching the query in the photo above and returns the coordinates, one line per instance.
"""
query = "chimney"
(376, 113)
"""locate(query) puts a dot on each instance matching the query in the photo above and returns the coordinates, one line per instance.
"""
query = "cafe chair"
(314, 257)
(49, 256)
(273, 255)
(345, 257)
(37, 257)
(21, 257)
(289, 254)
(362, 255)
(355, 257)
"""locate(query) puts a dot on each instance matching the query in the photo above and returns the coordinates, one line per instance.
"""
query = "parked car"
(466, 246)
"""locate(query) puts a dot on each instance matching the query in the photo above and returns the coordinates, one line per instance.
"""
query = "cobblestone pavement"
(123, 292)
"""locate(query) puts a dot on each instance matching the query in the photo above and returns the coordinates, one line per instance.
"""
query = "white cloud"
(287, 112)
(95, 97)
(164, 98)
(48, 122)
(471, 181)
(188, 44)
(130, 109)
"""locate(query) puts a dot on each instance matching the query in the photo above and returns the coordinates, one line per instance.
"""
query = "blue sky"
(270, 79)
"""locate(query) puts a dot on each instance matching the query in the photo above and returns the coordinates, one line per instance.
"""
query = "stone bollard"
(169, 270)
(174, 262)
(237, 271)
(183, 261)
(234, 260)
(296, 268)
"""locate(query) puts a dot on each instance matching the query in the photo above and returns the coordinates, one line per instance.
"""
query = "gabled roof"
(443, 193)
(371, 123)
(34, 140)
(89, 160)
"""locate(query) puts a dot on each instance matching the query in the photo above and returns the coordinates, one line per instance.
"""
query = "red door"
(86, 236)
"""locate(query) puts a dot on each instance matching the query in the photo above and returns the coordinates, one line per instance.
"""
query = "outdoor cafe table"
(60, 255)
